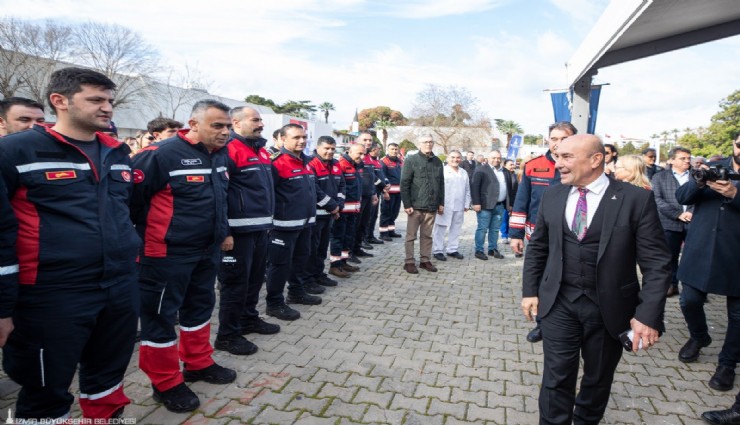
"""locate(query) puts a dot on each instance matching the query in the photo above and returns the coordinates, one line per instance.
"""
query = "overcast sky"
(360, 54)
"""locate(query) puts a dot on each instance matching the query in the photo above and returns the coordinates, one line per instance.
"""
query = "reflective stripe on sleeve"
(253, 221)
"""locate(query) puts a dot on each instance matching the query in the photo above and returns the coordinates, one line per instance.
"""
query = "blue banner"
(593, 108)
(561, 106)
(514, 145)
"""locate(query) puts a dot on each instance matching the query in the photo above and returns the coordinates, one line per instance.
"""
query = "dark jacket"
(329, 186)
(539, 174)
(423, 182)
(8, 259)
(709, 261)
(630, 235)
(392, 170)
(469, 167)
(373, 179)
(353, 184)
(251, 194)
(664, 187)
(651, 171)
(485, 189)
(295, 191)
(73, 219)
(179, 202)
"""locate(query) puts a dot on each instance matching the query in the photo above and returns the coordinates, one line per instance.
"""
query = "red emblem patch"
(61, 175)
(195, 179)
(138, 176)
(126, 176)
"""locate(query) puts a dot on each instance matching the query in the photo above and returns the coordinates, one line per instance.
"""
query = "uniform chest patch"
(126, 176)
(541, 170)
(195, 179)
(298, 171)
(61, 175)
(138, 176)
(195, 161)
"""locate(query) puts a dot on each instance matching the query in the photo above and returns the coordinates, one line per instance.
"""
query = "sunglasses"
(737, 144)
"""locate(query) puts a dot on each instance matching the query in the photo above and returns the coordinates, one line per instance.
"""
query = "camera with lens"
(712, 174)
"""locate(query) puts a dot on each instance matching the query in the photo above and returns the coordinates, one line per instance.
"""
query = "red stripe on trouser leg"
(103, 407)
(162, 366)
(195, 348)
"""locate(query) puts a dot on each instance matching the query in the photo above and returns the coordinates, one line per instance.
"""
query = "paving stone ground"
(387, 347)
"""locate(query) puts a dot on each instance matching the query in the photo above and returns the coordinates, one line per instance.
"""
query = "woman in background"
(631, 169)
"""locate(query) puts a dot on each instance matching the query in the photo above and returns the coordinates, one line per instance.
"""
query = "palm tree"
(383, 125)
(509, 128)
(675, 132)
(325, 108)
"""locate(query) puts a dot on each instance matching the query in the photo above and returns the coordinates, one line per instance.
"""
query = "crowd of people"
(159, 218)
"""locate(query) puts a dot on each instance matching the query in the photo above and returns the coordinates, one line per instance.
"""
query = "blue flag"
(561, 107)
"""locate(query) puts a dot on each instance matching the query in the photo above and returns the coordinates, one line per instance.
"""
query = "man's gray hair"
(201, 106)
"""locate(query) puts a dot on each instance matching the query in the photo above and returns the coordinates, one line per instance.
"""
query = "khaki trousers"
(424, 221)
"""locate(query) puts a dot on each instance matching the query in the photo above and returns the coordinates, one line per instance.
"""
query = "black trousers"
(342, 238)
(57, 328)
(675, 240)
(287, 252)
(241, 275)
(363, 221)
(374, 209)
(320, 236)
(389, 213)
(570, 330)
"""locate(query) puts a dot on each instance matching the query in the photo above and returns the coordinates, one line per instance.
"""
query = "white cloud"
(423, 9)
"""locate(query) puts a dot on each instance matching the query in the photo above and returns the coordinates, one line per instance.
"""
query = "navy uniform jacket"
(179, 203)
(73, 218)
(709, 262)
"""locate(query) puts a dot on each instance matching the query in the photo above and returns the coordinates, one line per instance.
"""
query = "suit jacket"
(709, 262)
(631, 235)
(664, 187)
(469, 168)
(485, 189)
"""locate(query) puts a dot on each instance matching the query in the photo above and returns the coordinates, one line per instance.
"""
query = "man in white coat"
(457, 201)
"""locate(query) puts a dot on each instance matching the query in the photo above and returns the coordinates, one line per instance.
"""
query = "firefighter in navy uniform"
(539, 174)
(368, 201)
(344, 229)
(389, 209)
(382, 188)
(77, 299)
(295, 215)
(251, 201)
(179, 207)
(329, 202)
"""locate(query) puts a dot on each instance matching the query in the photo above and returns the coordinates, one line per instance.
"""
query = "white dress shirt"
(596, 191)
(499, 173)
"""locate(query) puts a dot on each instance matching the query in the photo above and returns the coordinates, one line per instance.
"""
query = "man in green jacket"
(423, 196)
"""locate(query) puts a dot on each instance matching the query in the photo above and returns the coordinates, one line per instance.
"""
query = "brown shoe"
(338, 272)
(673, 290)
(350, 268)
(428, 266)
(411, 268)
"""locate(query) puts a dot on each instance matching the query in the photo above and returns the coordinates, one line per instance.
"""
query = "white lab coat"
(457, 194)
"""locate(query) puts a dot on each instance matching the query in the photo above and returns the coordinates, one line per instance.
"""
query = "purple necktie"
(580, 219)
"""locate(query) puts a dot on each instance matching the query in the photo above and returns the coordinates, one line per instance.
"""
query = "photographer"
(709, 264)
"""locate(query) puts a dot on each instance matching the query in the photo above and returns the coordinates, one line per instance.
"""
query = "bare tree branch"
(119, 53)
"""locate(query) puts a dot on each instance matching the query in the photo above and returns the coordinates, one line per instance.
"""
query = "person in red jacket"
(179, 206)
(295, 215)
(77, 301)
(251, 201)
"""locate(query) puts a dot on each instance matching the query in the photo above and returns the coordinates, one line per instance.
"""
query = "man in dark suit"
(491, 196)
(469, 164)
(580, 277)
(710, 266)
(674, 217)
